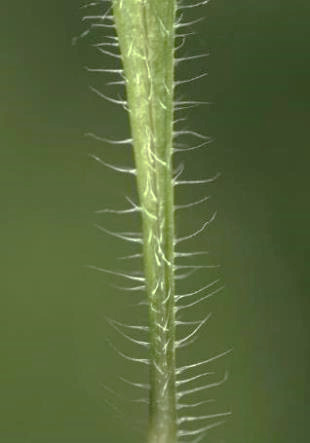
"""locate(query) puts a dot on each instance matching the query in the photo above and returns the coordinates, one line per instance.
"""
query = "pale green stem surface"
(145, 30)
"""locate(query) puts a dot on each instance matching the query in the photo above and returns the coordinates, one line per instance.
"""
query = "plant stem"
(145, 30)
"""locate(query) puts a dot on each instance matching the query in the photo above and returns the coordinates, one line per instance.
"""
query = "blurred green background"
(58, 373)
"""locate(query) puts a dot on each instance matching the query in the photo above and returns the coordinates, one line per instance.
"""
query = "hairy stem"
(145, 30)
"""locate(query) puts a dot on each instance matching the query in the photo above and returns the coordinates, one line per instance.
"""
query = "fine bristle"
(166, 269)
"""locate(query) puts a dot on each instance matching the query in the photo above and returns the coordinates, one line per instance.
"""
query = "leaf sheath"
(145, 31)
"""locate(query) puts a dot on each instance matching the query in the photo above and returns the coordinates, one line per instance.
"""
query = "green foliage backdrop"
(54, 358)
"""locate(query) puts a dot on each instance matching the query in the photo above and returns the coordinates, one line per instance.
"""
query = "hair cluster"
(145, 41)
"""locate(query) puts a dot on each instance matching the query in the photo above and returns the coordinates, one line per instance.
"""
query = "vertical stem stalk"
(145, 30)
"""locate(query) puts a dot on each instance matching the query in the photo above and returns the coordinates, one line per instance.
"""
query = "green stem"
(145, 30)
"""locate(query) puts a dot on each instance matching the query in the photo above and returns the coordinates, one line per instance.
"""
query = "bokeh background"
(59, 377)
